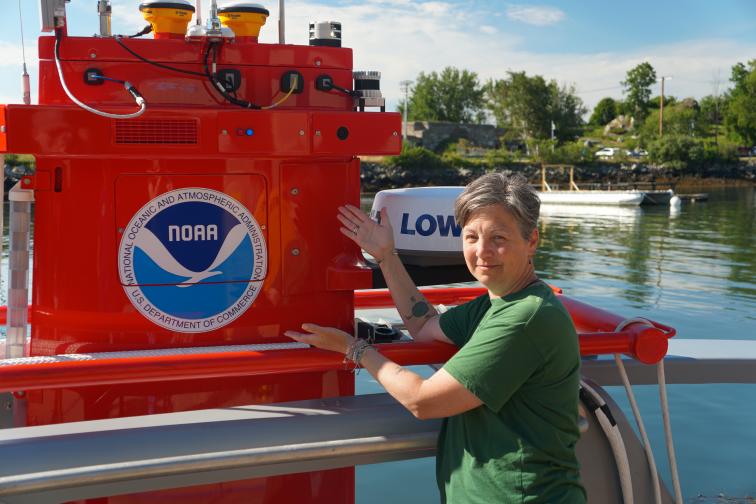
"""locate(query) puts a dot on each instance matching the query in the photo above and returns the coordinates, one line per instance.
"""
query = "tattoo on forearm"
(420, 308)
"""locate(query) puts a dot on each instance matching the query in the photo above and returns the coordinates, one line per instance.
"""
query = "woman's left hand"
(326, 338)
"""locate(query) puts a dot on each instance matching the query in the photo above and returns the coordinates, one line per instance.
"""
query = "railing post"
(18, 287)
(18, 270)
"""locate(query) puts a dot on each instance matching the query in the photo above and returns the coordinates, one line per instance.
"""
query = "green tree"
(654, 102)
(518, 103)
(637, 86)
(566, 111)
(740, 115)
(453, 95)
(529, 105)
(679, 119)
(712, 109)
(605, 111)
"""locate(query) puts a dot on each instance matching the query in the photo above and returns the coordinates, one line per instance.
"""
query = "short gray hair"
(512, 192)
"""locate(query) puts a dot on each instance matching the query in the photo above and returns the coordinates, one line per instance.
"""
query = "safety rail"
(641, 339)
(146, 453)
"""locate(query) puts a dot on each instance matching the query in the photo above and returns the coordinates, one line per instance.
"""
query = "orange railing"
(640, 339)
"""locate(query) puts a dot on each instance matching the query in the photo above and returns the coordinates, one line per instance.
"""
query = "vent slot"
(156, 131)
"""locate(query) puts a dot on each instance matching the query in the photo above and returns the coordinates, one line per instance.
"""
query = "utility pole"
(661, 106)
(405, 85)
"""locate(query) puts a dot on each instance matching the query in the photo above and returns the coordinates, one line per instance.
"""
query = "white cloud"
(402, 38)
(13, 55)
(435, 8)
(126, 18)
(535, 15)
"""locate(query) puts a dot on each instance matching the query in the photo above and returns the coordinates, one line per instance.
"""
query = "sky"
(589, 44)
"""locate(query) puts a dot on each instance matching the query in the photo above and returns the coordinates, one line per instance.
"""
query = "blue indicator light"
(250, 132)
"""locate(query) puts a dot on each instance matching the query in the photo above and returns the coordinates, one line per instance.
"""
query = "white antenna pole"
(281, 22)
(198, 11)
(104, 9)
(25, 75)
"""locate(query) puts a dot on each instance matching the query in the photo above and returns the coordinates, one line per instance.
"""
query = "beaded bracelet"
(354, 353)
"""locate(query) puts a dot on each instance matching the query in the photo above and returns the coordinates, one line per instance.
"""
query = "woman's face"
(495, 252)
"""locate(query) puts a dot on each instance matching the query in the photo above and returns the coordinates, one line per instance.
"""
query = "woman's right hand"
(376, 239)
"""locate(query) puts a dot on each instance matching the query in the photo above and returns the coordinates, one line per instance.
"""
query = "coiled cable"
(138, 98)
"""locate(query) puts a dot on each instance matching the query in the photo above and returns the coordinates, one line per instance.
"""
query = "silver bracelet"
(354, 352)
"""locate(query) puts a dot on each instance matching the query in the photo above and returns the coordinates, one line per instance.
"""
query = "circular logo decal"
(192, 260)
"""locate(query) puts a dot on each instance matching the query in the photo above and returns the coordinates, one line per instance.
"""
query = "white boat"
(622, 198)
(577, 196)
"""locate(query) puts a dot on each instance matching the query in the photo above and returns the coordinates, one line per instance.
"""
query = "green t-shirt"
(519, 355)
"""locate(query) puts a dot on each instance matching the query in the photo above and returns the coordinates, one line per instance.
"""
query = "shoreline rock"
(376, 176)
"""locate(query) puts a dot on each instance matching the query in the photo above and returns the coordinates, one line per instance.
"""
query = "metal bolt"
(262, 227)
(317, 133)
(2, 128)
(295, 252)
(27, 181)
(224, 132)
(294, 191)
(395, 133)
(93, 55)
(120, 230)
(317, 62)
(301, 132)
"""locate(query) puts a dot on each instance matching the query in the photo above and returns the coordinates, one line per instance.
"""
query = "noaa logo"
(192, 260)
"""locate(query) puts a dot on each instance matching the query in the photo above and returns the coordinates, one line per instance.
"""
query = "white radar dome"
(425, 231)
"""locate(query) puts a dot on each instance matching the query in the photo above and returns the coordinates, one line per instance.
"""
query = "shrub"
(677, 151)
(499, 157)
(420, 166)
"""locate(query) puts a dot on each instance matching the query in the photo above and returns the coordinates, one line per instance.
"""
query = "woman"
(509, 396)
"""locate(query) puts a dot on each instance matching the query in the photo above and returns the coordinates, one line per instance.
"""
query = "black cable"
(117, 38)
(119, 81)
(219, 86)
(216, 84)
(58, 36)
(147, 29)
(353, 94)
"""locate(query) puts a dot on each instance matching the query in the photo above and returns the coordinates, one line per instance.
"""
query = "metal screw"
(294, 191)
(93, 55)
(27, 181)
(295, 252)
(2, 128)
(317, 62)
(301, 132)
(262, 227)
(224, 132)
(317, 133)
(395, 133)
(120, 230)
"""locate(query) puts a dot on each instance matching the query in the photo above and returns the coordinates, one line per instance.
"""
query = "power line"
(598, 90)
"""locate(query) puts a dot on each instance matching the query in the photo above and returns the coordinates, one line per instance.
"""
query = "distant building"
(434, 135)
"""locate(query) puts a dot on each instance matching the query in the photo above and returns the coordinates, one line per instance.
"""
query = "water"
(694, 270)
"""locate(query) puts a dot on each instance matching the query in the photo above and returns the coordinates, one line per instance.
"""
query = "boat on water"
(577, 196)
(601, 198)
(183, 197)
